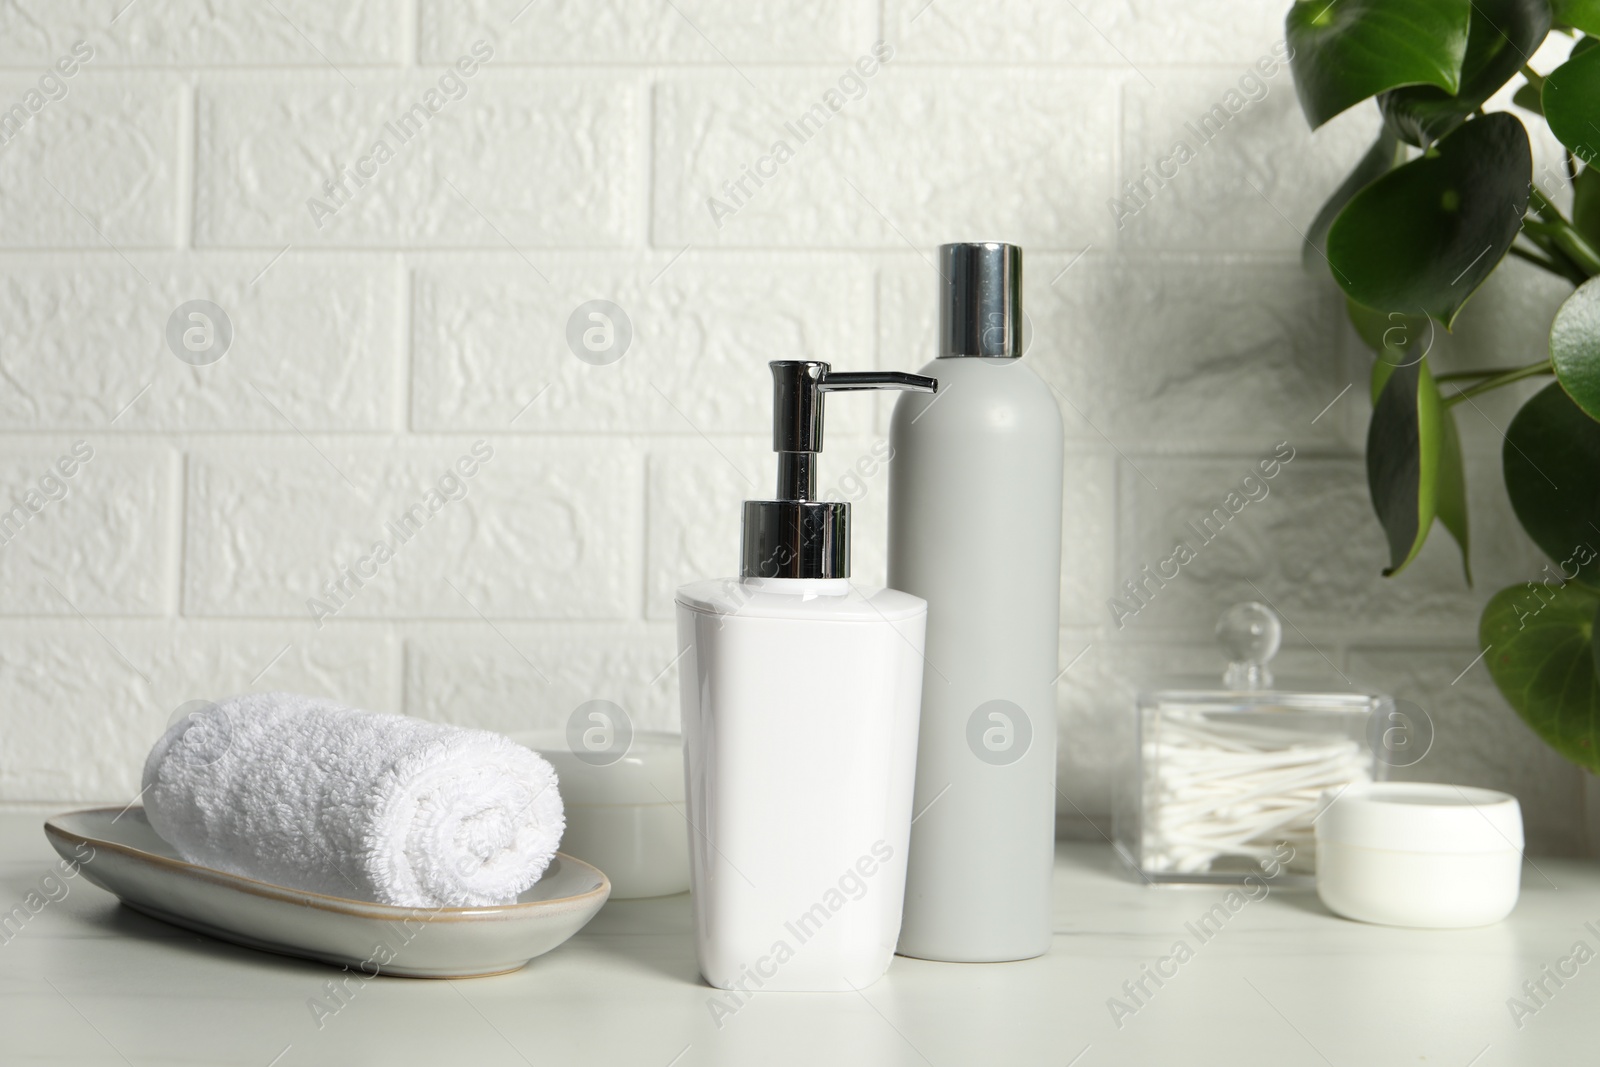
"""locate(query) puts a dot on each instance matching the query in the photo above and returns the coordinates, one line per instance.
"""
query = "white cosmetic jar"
(1419, 854)
(624, 813)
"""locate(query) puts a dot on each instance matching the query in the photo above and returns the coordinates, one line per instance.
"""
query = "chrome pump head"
(980, 300)
(797, 535)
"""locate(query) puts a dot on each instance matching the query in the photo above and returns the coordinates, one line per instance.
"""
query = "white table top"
(86, 981)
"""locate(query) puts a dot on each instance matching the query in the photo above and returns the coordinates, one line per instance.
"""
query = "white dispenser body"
(975, 529)
(800, 703)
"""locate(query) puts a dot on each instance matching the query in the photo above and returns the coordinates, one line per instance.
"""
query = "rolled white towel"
(309, 794)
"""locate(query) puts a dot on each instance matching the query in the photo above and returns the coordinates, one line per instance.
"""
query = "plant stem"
(1572, 244)
(1487, 372)
(1500, 378)
(1568, 272)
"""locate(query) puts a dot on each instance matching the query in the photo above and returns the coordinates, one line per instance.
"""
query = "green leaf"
(1578, 14)
(1423, 237)
(1451, 502)
(1540, 651)
(1348, 50)
(1551, 461)
(1384, 155)
(1394, 337)
(1586, 204)
(1527, 97)
(1571, 101)
(1403, 444)
(1575, 346)
(1451, 495)
(1503, 34)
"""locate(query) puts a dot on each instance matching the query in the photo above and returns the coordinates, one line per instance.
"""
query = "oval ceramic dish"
(130, 860)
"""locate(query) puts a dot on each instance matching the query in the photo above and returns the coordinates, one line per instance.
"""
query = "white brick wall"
(429, 310)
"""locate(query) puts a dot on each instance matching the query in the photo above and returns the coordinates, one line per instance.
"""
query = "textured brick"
(1312, 547)
(100, 540)
(638, 31)
(200, 33)
(1479, 740)
(1026, 158)
(489, 338)
(432, 307)
(1160, 354)
(93, 169)
(529, 161)
(546, 532)
(84, 707)
(1113, 32)
(1245, 188)
(317, 338)
(528, 676)
(694, 509)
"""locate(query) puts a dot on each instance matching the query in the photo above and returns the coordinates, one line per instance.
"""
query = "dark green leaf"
(1384, 155)
(1504, 33)
(1527, 97)
(1423, 237)
(1403, 443)
(1348, 50)
(1575, 346)
(1393, 343)
(1579, 14)
(1451, 502)
(1539, 642)
(1586, 204)
(1551, 460)
(1572, 103)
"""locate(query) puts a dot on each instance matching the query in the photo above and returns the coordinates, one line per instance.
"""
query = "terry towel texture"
(310, 794)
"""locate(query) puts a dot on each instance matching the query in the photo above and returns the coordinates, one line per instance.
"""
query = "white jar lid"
(650, 771)
(1421, 817)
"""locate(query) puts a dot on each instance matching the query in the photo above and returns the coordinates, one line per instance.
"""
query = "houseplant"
(1444, 195)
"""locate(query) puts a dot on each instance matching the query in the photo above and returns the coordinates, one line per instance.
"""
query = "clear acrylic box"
(1224, 782)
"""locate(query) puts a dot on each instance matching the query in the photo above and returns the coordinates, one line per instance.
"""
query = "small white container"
(624, 816)
(1420, 854)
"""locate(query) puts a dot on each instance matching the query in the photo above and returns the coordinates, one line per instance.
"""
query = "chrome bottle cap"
(797, 535)
(980, 300)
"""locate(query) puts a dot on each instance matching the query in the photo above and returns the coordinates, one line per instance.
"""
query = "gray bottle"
(975, 530)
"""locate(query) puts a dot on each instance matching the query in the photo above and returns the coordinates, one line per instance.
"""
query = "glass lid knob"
(1250, 633)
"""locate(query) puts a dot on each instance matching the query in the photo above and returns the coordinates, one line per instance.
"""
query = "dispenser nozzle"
(797, 536)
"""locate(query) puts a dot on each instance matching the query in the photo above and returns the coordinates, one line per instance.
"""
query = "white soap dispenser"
(801, 701)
